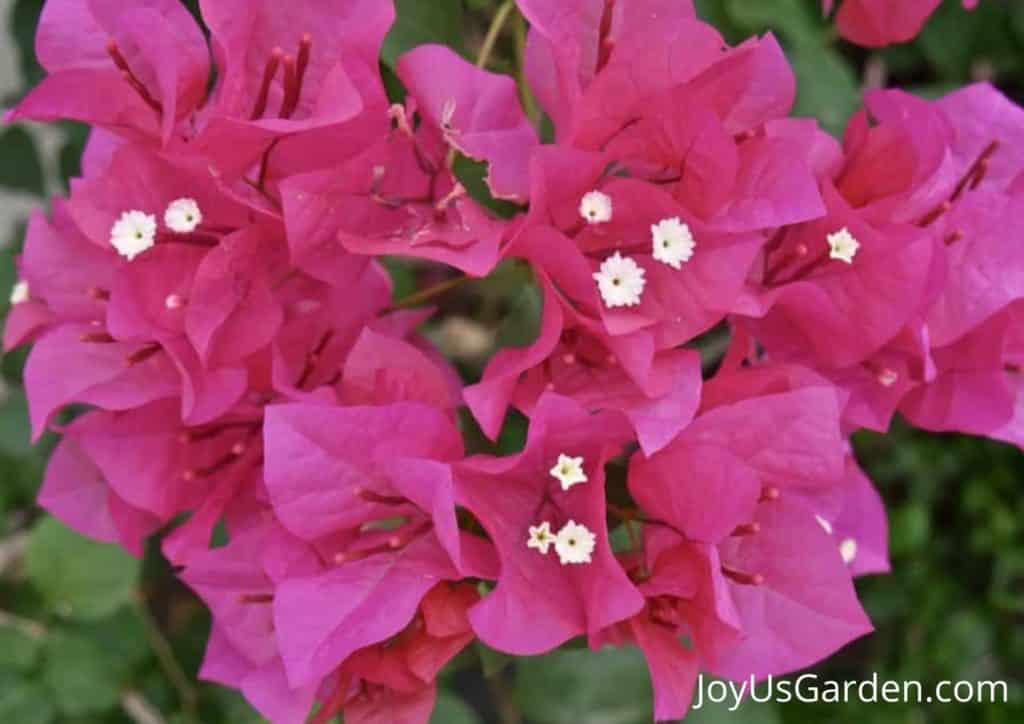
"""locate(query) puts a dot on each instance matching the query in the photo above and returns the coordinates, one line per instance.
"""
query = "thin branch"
(30, 628)
(139, 710)
(504, 701)
(494, 32)
(11, 551)
(415, 300)
(168, 662)
(526, 97)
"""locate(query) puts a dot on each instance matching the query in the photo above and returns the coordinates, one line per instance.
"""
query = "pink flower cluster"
(876, 23)
(210, 293)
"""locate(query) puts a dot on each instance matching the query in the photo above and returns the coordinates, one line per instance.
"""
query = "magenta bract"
(725, 295)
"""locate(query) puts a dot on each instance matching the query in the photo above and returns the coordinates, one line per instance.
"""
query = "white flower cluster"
(620, 280)
(135, 231)
(574, 543)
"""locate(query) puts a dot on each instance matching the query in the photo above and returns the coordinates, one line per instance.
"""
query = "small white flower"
(596, 207)
(183, 216)
(574, 543)
(133, 233)
(19, 293)
(842, 246)
(541, 537)
(673, 242)
(825, 525)
(569, 471)
(621, 281)
(848, 550)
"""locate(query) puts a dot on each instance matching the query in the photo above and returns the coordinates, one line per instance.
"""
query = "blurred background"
(89, 635)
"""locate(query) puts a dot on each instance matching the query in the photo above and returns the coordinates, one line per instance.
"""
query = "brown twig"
(140, 711)
(415, 300)
(181, 682)
(504, 701)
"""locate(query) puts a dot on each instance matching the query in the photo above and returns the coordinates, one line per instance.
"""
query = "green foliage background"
(89, 635)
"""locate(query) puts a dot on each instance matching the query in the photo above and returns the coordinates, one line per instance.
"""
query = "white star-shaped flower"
(19, 293)
(541, 537)
(133, 233)
(183, 216)
(848, 550)
(569, 471)
(574, 543)
(596, 207)
(621, 281)
(842, 246)
(673, 242)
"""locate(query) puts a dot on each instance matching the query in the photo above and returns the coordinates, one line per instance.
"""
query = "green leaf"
(715, 13)
(79, 578)
(910, 528)
(512, 438)
(22, 27)
(624, 537)
(25, 702)
(567, 687)
(788, 17)
(403, 276)
(21, 169)
(472, 175)
(234, 708)
(450, 709)
(70, 158)
(1008, 582)
(418, 22)
(8, 274)
(122, 637)
(828, 88)
(18, 650)
(492, 662)
(955, 42)
(522, 325)
(79, 675)
(14, 427)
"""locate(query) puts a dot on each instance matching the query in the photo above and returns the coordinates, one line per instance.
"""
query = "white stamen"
(596, 207)
(541, 537)
(824, 524)
(569, 471)
(842, 246)
(621, 281)
(19, 293)
(133, 233)
(673, 242)
(888, 377)
(448, 113)
(574, 543)
(174, 301)
(183, 216)
(848, 550)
